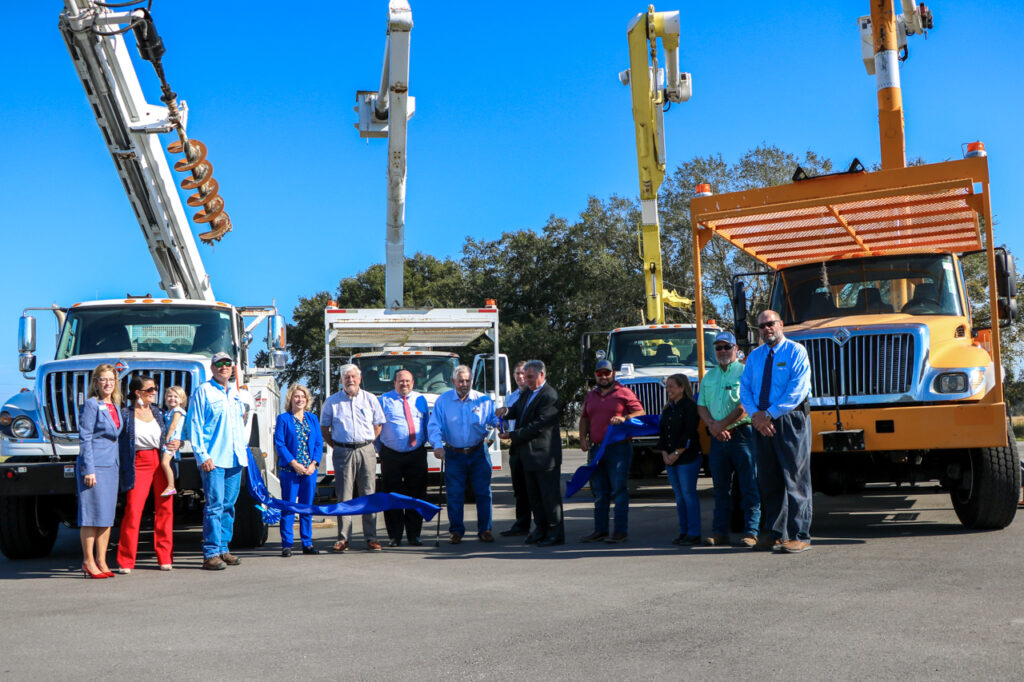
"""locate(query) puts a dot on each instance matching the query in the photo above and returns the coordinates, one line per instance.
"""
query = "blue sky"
(520, 115)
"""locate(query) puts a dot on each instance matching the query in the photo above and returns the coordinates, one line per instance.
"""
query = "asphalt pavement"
(894, 588)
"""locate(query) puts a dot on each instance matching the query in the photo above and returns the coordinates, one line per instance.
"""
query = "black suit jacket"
(536, 438)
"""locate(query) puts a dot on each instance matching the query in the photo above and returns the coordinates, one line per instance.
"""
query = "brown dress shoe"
(214, 563)
(795, 546)
(486, 536)
(716, 540)
(454, 539)
(230, 559)
(767, 544)
(373, 546)
(340, 546)
(616, 538)
(749, 540)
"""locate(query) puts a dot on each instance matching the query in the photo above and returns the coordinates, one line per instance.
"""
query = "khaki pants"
(355, 473)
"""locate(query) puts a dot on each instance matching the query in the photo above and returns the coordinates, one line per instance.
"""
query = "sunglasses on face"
(223, 363)
(765, 325)
(603, 373)
(151, 389)
(721, 348)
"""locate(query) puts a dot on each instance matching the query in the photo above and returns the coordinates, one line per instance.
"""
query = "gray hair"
(349, 367)
(536, 365)
(460, 369)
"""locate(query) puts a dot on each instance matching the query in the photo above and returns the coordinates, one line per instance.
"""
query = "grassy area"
(1018, 427)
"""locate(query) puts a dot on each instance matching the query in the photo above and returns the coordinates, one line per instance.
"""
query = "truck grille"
(651, 395)
(872, 364)
(64, 393)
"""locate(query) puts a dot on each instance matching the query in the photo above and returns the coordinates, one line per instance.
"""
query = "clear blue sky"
(519, 116)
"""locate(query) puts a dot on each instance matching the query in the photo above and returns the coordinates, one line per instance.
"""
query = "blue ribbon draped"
(647, 425)
(368, 504)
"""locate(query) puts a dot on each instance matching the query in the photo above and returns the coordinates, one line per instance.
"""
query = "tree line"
(570, 277)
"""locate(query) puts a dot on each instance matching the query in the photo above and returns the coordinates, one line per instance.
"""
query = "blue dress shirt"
(461, 423)
(216, 425)
(791, 378)
(352, 419)
(395, 433)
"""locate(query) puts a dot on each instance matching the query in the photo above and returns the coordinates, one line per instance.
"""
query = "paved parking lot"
(894, 589)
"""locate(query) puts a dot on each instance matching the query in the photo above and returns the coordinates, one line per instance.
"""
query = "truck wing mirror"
(739, 310)
(278, 333)
(27, 334)
(26, 363)
(1007, 310)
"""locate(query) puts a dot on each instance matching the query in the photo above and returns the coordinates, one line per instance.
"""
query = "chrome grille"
(64, 393)
(651, 395)
(872, 364)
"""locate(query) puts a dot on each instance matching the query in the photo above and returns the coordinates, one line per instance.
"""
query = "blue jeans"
(221, 489)
(683, 478)
(295, 488)
(735, 454)
(610, 483)
(476, 467)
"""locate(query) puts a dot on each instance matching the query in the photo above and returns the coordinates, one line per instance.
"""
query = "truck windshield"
(431, 373)
(921, 284)
(660, 348)
(149, 329)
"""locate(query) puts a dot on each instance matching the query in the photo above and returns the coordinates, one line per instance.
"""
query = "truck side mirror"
(739, 311)
(1006, 286)
(26, 363)
(278, 333)
(279, 359)
(27, 334)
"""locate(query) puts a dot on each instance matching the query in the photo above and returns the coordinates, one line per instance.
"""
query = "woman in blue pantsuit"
(299, 446)
(96, 470)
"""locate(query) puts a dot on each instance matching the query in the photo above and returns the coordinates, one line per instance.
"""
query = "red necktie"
(409, 421)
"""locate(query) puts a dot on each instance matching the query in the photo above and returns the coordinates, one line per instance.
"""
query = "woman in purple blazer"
(96, 470)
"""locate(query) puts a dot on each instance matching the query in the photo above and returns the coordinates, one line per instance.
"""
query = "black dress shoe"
(514, 531)
(548, 542)
(310, 549)
(533, 538)
(415, 542)
(286, 552)
(395, 542)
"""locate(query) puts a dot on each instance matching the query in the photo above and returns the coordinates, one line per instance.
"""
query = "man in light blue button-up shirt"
(775, 389)
(403, 455)
(216, 428)
(458, 430)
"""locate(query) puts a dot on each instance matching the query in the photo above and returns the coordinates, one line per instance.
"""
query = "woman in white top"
(143, 437)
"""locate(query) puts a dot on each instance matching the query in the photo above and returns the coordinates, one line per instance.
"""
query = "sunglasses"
(603, 373)
(765, 325)
(721, 348)
(151, 389)
(223, 363)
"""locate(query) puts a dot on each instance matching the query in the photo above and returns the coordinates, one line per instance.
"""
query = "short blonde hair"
(94, 386)
(291, 394)
(182, 396)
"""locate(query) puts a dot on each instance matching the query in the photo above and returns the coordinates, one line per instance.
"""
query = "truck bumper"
(40, 478)
(919, 427)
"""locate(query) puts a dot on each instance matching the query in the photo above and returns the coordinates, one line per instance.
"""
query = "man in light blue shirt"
(216, 427)
(458, 430)
(775, 389)
(351, 420)
(403, 455)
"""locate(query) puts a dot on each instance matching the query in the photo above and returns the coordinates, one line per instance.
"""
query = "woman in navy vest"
(96, 469)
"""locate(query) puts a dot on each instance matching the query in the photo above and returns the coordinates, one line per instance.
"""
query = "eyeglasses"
(721, 348)
(765, 325)
(151, 389)
(223, 363)
(603, 373)
(106, 380)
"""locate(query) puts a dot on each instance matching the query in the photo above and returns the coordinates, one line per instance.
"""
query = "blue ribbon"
(647, 425)
(368, 504)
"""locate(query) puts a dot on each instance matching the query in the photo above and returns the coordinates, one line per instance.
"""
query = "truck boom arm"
(130, 126)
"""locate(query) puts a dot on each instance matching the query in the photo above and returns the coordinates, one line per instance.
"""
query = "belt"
(353, 446)
(738, 427)
(464, 451)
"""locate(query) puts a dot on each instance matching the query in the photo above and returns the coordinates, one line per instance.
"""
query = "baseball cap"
(604, 365)
(726, 337)
(217, 357)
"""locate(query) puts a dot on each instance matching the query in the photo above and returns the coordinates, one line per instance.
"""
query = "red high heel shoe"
(87, 574)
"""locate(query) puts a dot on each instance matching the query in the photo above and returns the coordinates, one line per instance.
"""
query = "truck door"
(483, 376)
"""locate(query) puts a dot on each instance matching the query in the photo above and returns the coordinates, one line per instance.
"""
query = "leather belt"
(738, 427)
(464, 451)
(353, 446)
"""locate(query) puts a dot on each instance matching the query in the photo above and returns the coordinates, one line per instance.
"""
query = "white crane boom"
(130, 128)
(385, 113)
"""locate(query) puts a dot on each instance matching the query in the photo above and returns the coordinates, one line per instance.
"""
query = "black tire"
(28, 528)
(986, 497)
(250, 530)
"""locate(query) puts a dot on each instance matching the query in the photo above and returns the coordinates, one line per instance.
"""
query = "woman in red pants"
(141, 441)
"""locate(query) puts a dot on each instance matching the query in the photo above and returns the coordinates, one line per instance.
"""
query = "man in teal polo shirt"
(732, 443)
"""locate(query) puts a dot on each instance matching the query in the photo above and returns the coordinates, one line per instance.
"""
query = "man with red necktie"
(403, 455)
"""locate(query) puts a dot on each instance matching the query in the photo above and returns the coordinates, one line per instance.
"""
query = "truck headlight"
(22, 427)
(951, 382)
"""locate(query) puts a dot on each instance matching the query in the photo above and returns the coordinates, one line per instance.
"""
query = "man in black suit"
(539, 444)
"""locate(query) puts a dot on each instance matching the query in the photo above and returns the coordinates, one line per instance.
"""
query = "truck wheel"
(986, 497)
(28, 528)
(250, 530)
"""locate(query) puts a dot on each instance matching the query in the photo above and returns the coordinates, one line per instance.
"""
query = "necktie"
(763, 400)
(409, 421)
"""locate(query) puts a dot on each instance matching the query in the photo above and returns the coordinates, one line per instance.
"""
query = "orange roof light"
(975, 149)
(703, 190)
(712, 321)
(491, 303)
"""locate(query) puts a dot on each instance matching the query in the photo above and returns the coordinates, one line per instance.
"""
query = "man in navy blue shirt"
(775, 389)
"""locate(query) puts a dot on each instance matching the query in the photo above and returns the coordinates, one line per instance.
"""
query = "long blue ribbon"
(368, 504)
(647, 425)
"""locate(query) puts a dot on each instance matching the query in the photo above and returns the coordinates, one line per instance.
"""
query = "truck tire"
(986, 498)
(250, 530)
(27, 528)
